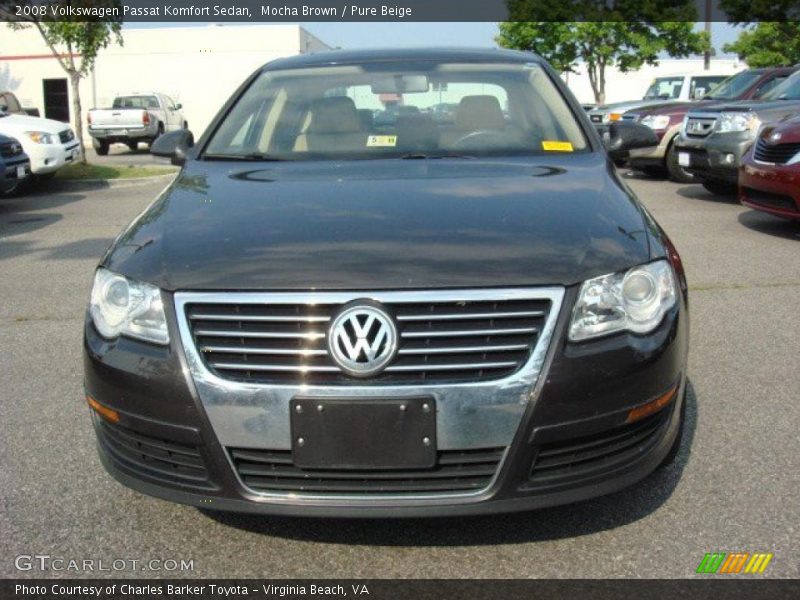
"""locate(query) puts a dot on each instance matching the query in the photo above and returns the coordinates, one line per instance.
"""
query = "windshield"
(382, 110)
(135, 102)
(664, 88)
(788, 90)
(734, 86)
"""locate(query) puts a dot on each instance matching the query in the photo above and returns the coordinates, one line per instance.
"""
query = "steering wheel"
(482, 138)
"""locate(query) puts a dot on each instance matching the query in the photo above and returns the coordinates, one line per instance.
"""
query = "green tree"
(745, 11)
(75, 45)
(768, 44)
(612, 34)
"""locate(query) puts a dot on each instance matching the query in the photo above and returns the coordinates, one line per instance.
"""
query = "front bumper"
(655, 156)
(770, 188)
(716, 157)
(581, 400)
(12, 175)
(49, 158)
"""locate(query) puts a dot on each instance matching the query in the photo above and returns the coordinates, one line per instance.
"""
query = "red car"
(769, 179)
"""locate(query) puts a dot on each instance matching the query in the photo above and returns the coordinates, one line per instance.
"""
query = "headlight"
(656, 121)
(41, 137)
(635, 300)
(733, 122)
(120, 306)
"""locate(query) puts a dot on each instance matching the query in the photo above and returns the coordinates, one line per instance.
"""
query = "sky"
(374, 35)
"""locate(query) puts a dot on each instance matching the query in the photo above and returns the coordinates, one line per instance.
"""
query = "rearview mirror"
(174, 145)
(400, 84)
(624, 136)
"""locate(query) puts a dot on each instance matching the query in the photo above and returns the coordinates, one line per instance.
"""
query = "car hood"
(379, 224)
(783, 106)
(18, 123)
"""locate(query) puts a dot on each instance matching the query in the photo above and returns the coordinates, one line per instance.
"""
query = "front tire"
(720, 188)
(676, 172)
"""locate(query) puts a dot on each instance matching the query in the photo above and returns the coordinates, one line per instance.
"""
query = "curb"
(97, 184)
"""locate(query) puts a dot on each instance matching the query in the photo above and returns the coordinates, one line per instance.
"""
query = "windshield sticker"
(381, 141)
(557, 146)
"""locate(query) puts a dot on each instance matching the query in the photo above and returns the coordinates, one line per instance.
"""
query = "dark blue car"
(15, 166)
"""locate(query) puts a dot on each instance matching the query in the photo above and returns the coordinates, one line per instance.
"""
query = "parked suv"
(327, 316)
(714, 139)
(15, 167)
(49, 144)
(672, 88)
(138, 117)
(666, 119)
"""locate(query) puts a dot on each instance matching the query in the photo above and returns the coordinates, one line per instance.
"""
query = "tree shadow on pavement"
(573, 520)
(765, 223)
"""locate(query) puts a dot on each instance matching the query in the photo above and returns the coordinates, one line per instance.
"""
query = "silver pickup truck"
(134, 118)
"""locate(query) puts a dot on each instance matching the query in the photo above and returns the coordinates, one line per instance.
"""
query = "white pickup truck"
(134, 118)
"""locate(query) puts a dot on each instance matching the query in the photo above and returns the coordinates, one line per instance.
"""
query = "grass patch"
(79, 171)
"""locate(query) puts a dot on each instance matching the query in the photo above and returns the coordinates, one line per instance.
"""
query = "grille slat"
(777, 153)
(154, 458)
(273, 470)
(568, 461)
(438, 341)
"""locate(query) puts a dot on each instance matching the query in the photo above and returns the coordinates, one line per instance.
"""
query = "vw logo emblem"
(775, 136)
(362, 340)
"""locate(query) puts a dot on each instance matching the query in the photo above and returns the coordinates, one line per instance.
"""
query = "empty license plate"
(684, 159)
(334, 433)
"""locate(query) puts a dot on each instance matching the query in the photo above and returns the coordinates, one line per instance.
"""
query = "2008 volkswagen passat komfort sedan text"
(351, 302)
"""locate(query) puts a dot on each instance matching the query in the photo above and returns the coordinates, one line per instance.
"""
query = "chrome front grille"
(775, 153)
(699, 125)
(282, 339)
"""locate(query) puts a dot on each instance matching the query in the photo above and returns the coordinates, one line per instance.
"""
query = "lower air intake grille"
(151, 457)
(463, 339)
(455, 471)
(578, 458)
(770, 199)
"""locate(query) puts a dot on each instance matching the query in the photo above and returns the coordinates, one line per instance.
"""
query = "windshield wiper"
(253, 156)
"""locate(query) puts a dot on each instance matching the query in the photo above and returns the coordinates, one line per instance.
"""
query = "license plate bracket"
(684, 159)
(21, 172)
(368, 433)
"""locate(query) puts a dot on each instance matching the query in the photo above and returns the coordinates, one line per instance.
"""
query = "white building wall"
(632, 85)
(199, 67)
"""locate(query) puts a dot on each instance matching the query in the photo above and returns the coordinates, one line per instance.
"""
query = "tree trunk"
(601, 86)
(75, 80)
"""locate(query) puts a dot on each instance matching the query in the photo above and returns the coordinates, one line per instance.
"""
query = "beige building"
(199, 67)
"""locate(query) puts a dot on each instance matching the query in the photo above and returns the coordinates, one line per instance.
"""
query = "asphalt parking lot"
(734, 486)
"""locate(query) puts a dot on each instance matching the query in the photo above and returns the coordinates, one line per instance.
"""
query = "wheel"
(721, 188)
(15, 189)
(676, 445)
(134, 146)
(676, 172)
(100, 146)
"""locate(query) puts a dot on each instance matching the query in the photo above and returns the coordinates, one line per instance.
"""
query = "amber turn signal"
(645, 410)
(107, 413)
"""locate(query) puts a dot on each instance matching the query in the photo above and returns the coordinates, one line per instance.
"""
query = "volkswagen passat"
(344, 305)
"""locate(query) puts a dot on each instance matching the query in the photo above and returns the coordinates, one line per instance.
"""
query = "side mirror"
(174, 145)
(178, 106)
(624, 136)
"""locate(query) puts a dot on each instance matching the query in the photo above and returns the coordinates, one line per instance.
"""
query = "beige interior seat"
(333, 124)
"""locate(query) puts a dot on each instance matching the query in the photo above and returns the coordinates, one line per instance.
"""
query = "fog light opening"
(108, 414)
(729, 158)
(645, 410)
